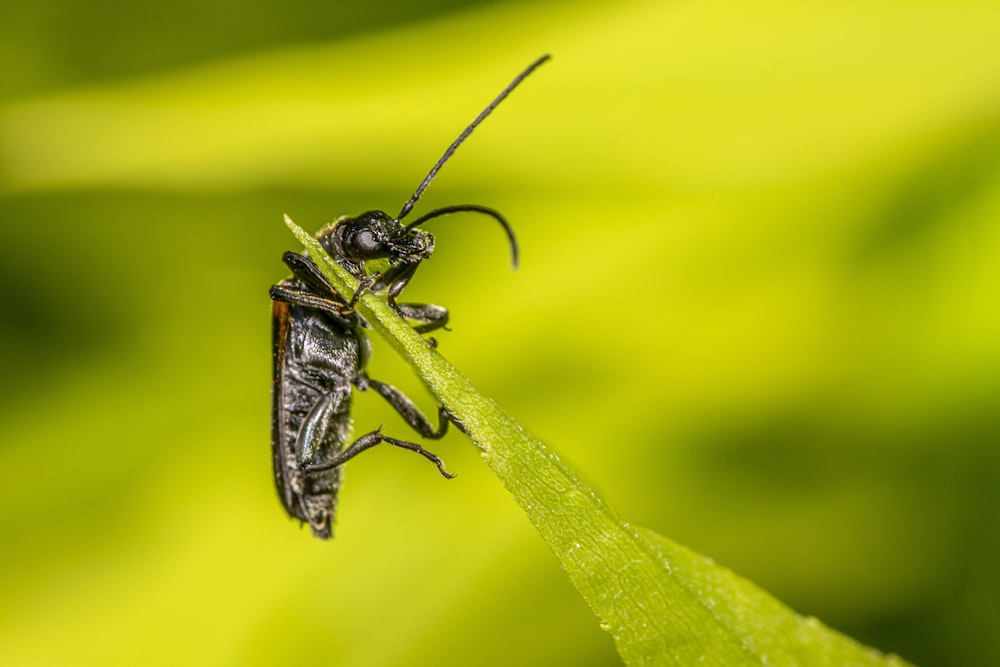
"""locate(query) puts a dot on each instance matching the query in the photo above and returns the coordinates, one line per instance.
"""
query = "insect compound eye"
(367, 244)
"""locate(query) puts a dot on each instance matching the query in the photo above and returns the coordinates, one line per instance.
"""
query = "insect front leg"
(432, 316)
(365, 283)
(369, 440)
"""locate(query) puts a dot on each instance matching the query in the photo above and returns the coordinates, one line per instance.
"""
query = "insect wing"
(279, 439)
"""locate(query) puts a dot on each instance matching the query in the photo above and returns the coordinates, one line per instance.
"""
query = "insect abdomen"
(316, 360)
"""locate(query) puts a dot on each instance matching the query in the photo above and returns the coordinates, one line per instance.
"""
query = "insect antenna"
(408, 206)
(445, 210)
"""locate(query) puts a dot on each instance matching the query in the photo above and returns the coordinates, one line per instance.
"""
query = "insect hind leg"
(369, 440)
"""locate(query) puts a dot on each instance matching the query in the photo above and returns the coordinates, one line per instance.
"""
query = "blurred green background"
(757, 310)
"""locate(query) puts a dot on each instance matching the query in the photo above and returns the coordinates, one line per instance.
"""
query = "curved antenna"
(465, 133)
(446, 210)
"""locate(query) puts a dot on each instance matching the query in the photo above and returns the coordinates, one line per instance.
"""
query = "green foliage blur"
(757, 310)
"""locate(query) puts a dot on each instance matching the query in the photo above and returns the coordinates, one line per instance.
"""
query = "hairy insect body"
(320, 350)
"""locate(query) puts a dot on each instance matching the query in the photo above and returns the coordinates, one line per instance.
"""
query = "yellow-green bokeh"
(757, 310)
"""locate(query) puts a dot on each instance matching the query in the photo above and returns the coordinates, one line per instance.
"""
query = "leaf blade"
(662, 603)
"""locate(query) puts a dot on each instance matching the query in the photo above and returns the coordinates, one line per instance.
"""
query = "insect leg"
(410, 413)
(432, 316)
(307, 299)
(365, 283)
(369, 440)
(305, 269)
(315, 427)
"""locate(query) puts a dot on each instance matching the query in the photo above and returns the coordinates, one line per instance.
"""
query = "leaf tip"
(299, 233)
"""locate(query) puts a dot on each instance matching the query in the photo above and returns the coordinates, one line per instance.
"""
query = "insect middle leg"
(410, 413)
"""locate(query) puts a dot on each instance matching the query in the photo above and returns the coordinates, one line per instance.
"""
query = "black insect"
(320, 350)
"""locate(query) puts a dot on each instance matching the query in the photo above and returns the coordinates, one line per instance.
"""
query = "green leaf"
(662, 603)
